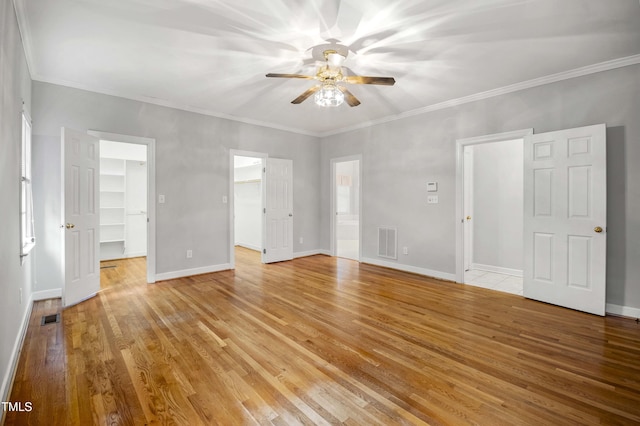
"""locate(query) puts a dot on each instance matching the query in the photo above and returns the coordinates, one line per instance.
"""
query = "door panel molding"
(565, 199)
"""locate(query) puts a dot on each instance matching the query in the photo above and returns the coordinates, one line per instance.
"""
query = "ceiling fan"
(330, 92)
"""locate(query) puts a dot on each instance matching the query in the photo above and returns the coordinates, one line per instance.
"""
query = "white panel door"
(278, 184)
(81, 168)
(565, 218)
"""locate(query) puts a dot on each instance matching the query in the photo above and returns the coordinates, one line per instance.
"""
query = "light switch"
(161, 199)
(432, 186)
(224, 199)
(432, 199)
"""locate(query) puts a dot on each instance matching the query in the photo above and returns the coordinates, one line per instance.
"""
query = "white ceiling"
(211, 56)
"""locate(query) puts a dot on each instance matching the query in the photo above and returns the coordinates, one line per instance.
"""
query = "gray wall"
(498, 186)
(15, 87)
(399, 157)
(192, 171)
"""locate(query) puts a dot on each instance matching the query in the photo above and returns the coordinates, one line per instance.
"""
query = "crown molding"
(25, 33)
(528, 84)
(170, 104)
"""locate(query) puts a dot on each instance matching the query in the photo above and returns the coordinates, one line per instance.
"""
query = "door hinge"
(264, 251)
(264, 210)
(264, 170)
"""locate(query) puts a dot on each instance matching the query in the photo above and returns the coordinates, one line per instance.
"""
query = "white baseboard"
(7, 380)
(497, 269)
(308, 253)
(55, 293)
(135, 254)
(409, 268)
(249, 246)
(625, 311)
(194, 271)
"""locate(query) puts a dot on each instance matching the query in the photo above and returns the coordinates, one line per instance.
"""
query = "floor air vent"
(50, 319)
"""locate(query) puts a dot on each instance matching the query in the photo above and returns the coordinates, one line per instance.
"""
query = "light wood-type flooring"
(321, 340)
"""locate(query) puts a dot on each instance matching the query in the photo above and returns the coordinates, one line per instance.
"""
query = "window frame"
(27, 228)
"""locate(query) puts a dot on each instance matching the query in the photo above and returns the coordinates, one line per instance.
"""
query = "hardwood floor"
(321, 340)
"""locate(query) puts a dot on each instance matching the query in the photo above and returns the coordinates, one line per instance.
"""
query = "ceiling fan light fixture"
(329, 95)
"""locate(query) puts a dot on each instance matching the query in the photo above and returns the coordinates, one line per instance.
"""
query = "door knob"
(468, 217)
(597, 229)
(70, 225)
(290, 214)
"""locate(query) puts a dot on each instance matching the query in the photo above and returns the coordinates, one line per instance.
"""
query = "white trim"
(194, 271)
(408, 268)
(249, 246)
(496, 269)
(169, 104)
(151, 191)
(459, 218)
(7, 380)
(528, 84)
(332, 220)
(55, 293)
(25, 34)
(135, 254)
(231, 200)
(625, 311)
(310, 253)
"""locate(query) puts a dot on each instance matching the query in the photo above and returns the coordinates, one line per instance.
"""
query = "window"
(26, 197)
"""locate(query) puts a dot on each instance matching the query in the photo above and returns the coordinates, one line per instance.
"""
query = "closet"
(123, 200)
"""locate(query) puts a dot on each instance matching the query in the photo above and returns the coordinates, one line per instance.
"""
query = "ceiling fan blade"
(356, 79)
(306, 77)
(351, 100)
(305, 95)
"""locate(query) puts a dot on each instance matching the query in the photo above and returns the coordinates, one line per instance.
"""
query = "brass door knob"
(597, 229)
(468, 217)
(70, 225)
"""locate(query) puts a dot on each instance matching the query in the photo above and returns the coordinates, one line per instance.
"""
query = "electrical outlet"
(301, 240)
(224, 199)
(405, 250)
(20, 296)
(189, 254)
(432, 199)
(160, 199)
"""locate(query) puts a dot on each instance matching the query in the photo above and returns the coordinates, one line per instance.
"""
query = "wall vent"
(388, 243)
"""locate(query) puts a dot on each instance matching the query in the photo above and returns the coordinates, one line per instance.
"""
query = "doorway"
(487, 254)
(246, 202)
(493, 215)
(123, 200)
(346, 203)
(276, 204)
(247, 199)
(127, 198)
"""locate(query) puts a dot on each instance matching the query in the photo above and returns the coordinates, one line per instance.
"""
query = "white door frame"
(232, 154)
(460, 144)
(332, 220)
(151, 191)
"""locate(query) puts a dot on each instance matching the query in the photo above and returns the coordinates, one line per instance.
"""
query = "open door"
(278, 212)
(81, 168)
(565, 218)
